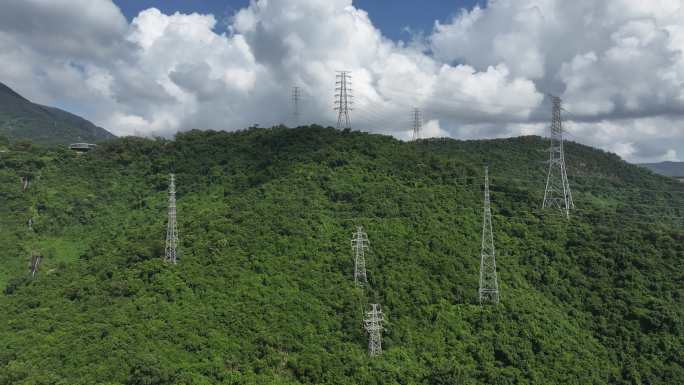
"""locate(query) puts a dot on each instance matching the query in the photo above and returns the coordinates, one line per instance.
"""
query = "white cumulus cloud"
(617, 64)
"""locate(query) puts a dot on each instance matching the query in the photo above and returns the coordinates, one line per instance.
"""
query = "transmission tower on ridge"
(417, 123)
(489, 285)
(557, 193)
(373, 325)
(360, 244)
(296, 99)
(344, 100)
(171, 227)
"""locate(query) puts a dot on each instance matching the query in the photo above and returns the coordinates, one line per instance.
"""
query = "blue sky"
(391, 16)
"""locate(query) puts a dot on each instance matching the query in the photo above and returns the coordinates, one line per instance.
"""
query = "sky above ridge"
(398, 21)
(153, 67)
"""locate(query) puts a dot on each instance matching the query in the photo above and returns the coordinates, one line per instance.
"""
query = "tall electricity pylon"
(417, 123)
(35, 262)
(296, 99)
(25, 182)
(344, 100)
(171, 227)
(373, 325)
(557, 193)
(360, 244)
(489, 284)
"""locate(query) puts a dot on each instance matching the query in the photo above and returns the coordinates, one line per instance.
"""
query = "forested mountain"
(263, 292)
(21, 119)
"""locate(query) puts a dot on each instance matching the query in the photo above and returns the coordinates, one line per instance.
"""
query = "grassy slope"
(263, 293)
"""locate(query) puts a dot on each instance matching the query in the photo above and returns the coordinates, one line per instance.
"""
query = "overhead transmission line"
(470, 99)
(373, 319)
(379, 114)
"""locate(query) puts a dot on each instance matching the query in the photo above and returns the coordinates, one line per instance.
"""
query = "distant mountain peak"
(4, 89)
(668, 168)
(22, 119)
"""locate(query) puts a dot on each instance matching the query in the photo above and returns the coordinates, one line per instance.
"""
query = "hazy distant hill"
(22, 119)
(675, 169)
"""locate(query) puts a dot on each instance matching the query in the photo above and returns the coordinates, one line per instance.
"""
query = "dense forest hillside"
(263, 292)
(22, 120)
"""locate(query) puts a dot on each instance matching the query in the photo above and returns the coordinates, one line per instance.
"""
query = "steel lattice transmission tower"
(344, 100)
(171, 227)
(373, 325)
(296, 100)
(489, 284)
(557, 193)
(417, 123)
(360, 244)
(35, 263)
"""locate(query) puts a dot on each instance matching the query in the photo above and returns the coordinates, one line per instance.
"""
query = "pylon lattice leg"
(489, 284)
